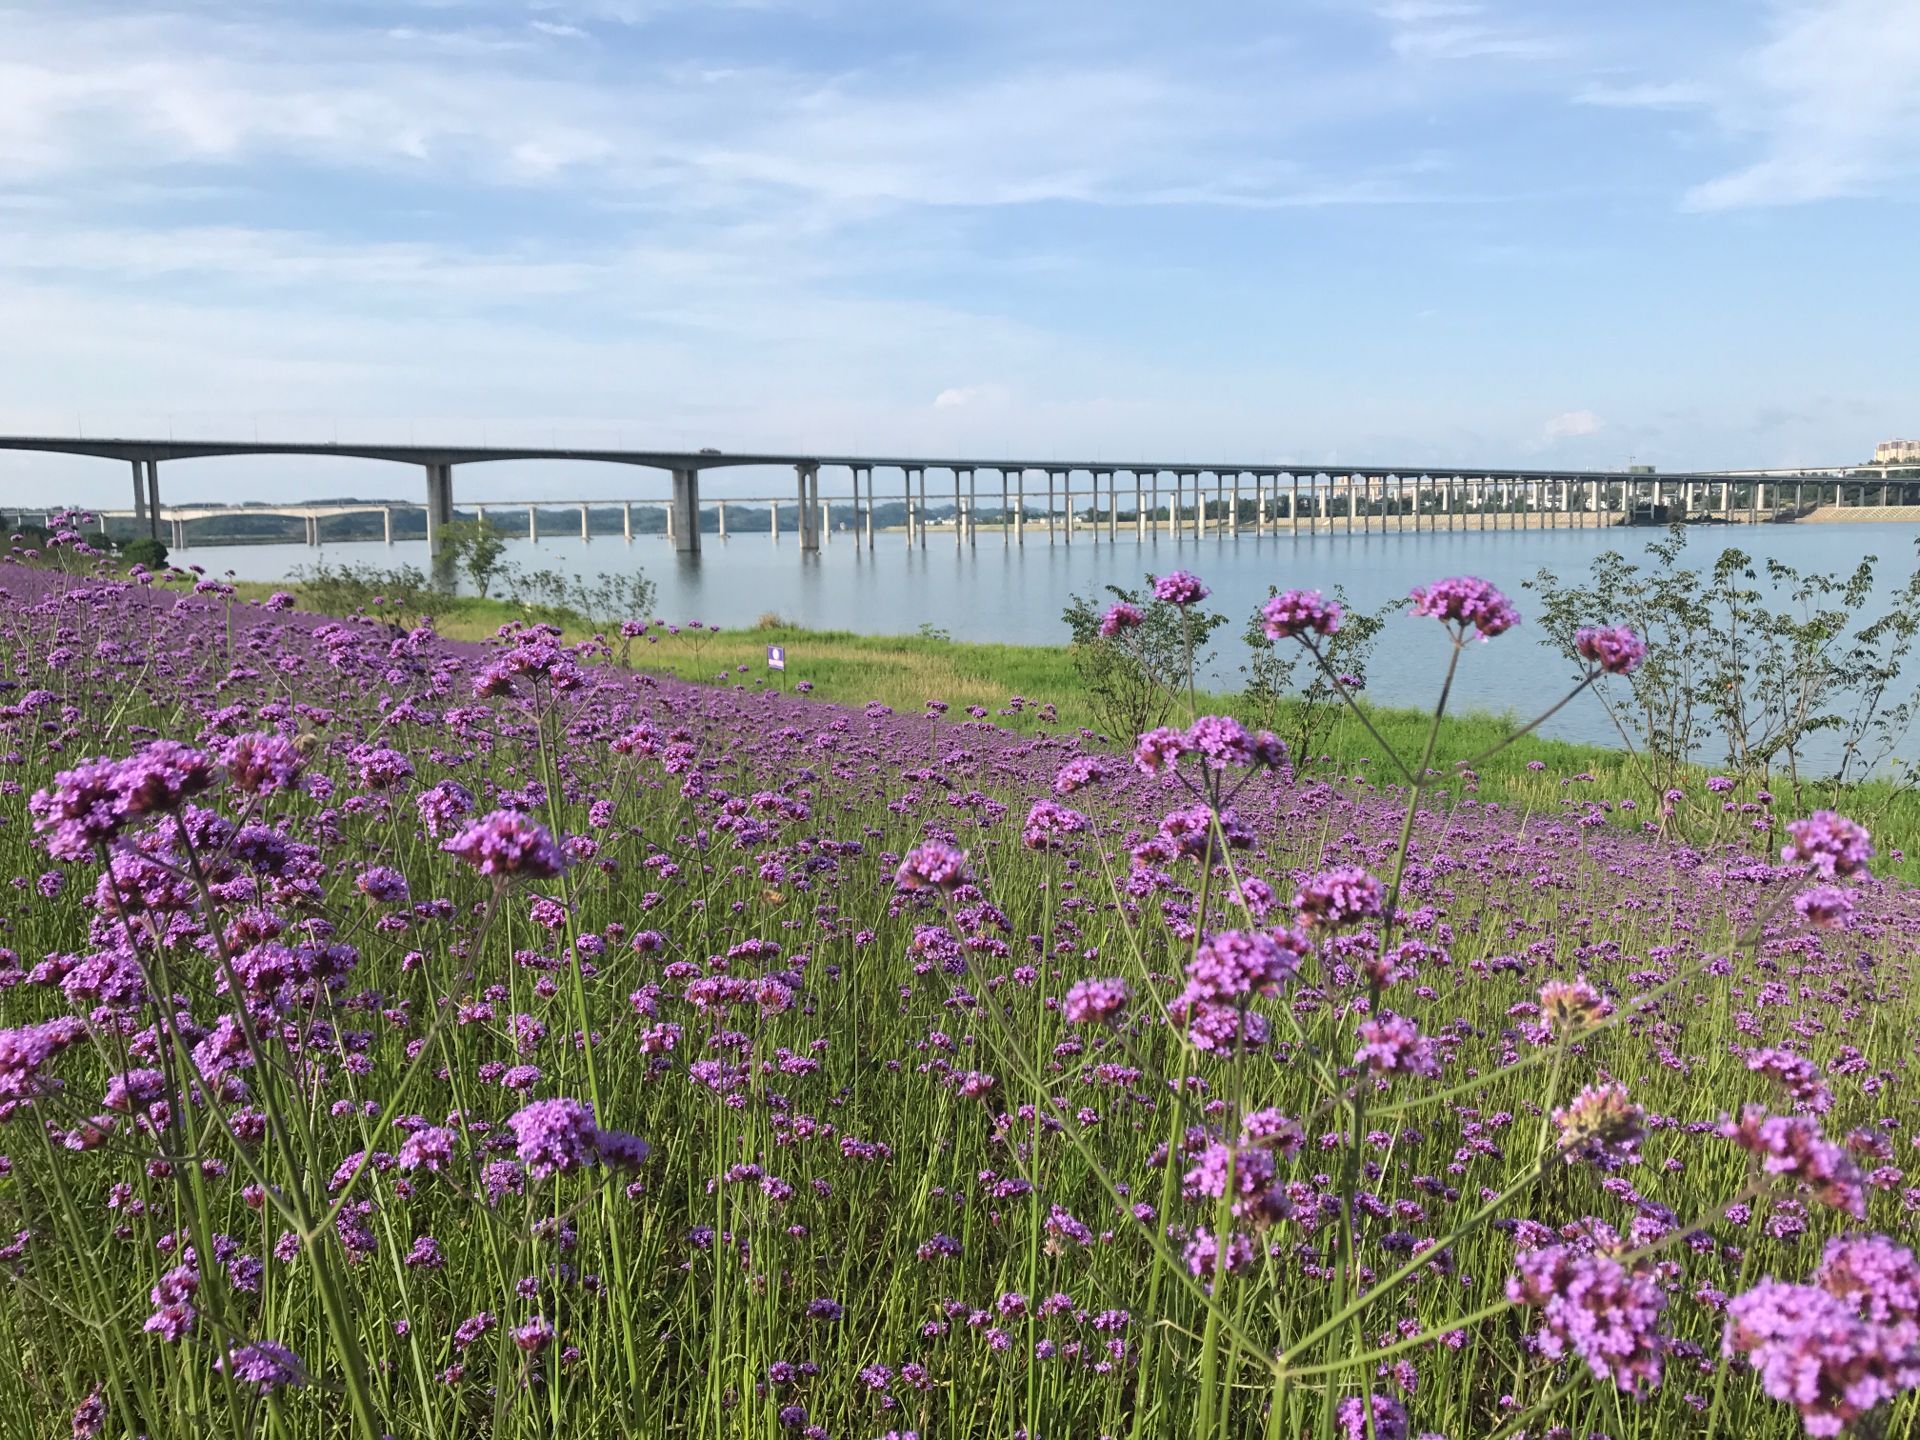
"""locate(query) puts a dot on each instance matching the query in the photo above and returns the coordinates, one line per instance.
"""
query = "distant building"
(1897, 452)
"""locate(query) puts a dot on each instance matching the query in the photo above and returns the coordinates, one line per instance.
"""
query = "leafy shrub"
(1135, 685)
(144, 550)
(1304, 713)
(341, 589)
(602, 602)
(1747, 661)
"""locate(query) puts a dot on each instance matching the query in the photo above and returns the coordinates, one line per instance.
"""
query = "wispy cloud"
(1646, 95)
(1456, 30)
(481, 104)
(1832, 100)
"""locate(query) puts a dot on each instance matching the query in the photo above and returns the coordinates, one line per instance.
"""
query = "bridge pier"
(153, 498)
(684, 512)
(583, 524)
(723, 519)
(626, 522)
(805, 478)
(439, 503)
(139, 495)
(386, 521)
(533, 524)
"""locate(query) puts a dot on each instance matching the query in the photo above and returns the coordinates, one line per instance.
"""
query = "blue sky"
(1413, 231)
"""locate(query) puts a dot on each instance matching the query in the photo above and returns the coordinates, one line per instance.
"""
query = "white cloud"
(101, 95)
(1833, 100)
(958, 397)
(1572, 424)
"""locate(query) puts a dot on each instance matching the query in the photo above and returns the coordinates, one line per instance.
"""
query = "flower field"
(431, 1039)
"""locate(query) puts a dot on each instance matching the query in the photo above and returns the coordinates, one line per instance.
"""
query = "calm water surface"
(994, 592)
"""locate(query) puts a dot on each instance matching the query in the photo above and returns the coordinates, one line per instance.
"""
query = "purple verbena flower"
(262, 764)
(1220, 741)
(1825, 907)
(1612, 649)
(1793, 1148)
(1601, 1127)
(1389, 1418)
(933, 865)
(1796, 1075)
(1393, 1045)
(265, 1365)
(1333, 899)
(1160, 749)
(555, 1136)
(1293, 613)
(382, 884)
(1593, 1308)
(1095, 1002)
(1049, 824)
(1832, 844)
(507, 844)
(1466, 603)
(1180, 588)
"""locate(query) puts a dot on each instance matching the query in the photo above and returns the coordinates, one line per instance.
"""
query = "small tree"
(476, 547)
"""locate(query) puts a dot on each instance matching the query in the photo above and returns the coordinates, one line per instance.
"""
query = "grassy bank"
(1534, 775)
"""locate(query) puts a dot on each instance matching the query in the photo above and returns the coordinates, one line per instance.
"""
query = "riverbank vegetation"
(1680, 700)
(1754, 663)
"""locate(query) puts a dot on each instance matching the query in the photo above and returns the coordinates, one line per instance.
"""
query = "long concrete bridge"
(1229, 498)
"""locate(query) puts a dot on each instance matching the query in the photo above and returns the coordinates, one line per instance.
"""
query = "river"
(991, 591)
